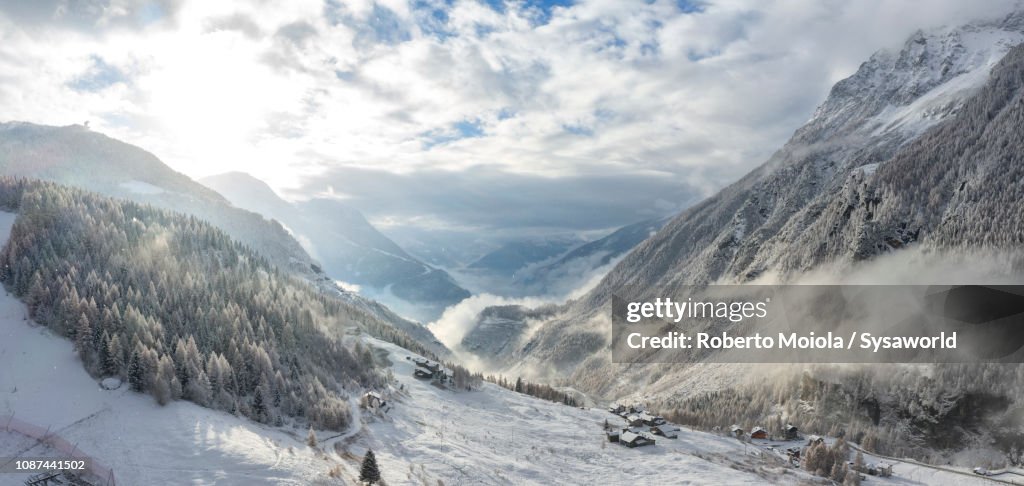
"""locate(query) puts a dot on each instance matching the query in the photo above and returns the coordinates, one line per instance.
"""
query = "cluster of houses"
(789, 433)
(429, 369)
(642, 428)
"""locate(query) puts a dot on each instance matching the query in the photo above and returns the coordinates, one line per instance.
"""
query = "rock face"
(921, 146)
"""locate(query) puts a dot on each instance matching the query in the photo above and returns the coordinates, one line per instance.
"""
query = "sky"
(471, 114)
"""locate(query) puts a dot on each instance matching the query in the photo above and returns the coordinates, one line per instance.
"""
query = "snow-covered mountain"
(77, 156)
(584, 262)
(349, 247)
(897, 154)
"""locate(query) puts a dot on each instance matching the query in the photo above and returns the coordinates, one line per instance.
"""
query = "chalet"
(791, 432)
(613, 435)
(423, 372)
(632, 439)
(650, 420)
(815, 439)
(426, 363)
(617, 408)
(758, 433)
(736, 431)
(372, 399)
(634, 419)
(668, 431)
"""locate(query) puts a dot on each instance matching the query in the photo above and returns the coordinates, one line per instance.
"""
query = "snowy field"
(494, 436)
(430, 436)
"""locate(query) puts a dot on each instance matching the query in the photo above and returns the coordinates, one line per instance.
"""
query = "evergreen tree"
(259, 408)
(83, 337)
(136, 375)
(369, 473)
(311, 437)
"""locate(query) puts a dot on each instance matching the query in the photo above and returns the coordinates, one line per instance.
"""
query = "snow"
(495, 436)
(430, 435)
(110, 383)
(42, 382)
(984, 46)
(139, 187)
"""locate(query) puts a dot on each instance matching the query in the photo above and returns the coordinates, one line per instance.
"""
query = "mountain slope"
(348, 246)
(856, 181)
(583, 262)
(76, 156)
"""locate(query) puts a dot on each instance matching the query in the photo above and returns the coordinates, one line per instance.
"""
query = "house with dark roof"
(791, 432)
(649, 419)
(666, 430)
(631, 439)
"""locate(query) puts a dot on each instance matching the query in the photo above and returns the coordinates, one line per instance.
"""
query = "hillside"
(349, 247)
(181, 311)
(76, 156)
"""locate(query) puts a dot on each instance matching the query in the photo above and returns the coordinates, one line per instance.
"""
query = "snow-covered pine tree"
(368, 472)
(135, 372)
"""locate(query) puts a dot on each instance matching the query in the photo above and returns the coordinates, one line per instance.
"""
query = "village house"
(629, 438)
(613, 435)
(429, 369)
(883, 469)
(373, 400)
(814, 439)
(758, 433)
(617, 408)
(650, 420)
(668, 431)
(791, 432)
(736, 431)
(634, 419)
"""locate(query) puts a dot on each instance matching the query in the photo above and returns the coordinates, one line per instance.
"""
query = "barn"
(758, 433)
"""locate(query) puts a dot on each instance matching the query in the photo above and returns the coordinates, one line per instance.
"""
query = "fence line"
(46, 436)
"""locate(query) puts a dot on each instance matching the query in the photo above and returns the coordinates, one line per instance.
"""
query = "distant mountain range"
(349, 247)
(554, 266)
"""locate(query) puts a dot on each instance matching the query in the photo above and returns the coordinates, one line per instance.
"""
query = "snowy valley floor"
(429, 436)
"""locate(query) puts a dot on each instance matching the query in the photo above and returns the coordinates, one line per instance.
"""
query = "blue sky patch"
(579, 130)
(458, 131)
(98, 77)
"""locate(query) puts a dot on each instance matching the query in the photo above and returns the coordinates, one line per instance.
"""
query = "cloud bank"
(514, 106)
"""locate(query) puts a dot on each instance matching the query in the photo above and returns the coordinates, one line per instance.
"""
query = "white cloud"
(288, 90)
